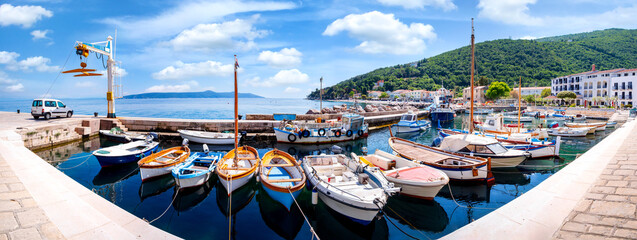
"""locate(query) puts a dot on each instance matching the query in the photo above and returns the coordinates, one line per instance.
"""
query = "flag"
(236, 62)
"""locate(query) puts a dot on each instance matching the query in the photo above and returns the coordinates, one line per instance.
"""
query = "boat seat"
(236, 168)
(279, 165)
(285, 180)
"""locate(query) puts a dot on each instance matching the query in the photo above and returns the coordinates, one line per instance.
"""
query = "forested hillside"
(536, 61)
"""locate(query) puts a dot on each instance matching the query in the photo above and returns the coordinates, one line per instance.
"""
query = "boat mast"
(519, 102)
(472, 72)
(321, 96)
(236, 112)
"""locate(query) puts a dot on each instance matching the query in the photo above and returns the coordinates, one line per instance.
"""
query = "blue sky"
(283, 47)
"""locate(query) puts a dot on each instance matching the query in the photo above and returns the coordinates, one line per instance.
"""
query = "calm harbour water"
(201, 213)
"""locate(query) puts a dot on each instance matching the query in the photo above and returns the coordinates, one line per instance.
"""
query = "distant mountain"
(205, 94)
(536, 61)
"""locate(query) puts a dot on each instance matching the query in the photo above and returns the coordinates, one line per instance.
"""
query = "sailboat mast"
(472, 72)
(321, 96)
(236, 111)
(519, 102)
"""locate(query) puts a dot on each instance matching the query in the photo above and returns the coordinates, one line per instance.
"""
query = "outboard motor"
(154, 135)
(336, 149)
(184, 142)
(206, 149)
(436, 142)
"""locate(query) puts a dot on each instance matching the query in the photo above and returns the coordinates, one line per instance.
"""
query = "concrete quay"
(593, 197)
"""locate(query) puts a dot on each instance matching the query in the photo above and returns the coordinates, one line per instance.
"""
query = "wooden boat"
(457, 166)
(495, 125)
(118, 135)
(208, 137)
(598, 126)
(515, 119)
(351, 127)
(569, 132)
(196, 170)
(475, 145)
(162, 162)
(413, 179)
(537, 148)
(347, 186)
(611, 124)
(234, 173)
(124, 153)
(281, 175)
(409, 123)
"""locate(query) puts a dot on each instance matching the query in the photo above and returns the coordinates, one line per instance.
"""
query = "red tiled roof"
(628, 70)
(610, 71)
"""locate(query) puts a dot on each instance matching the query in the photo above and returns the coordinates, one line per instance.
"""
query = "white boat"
(234, 174)
(196, 170)
(474, 145)
(598, 126)
(348, 186)
(483, 111)
(409, 123)
(208, 137)
(569, 132)
(611, 124)
(515, 119)
(495, 124)
(413, 179)
(537, 148)
(118, 135)
(457, 166)
(162, 162)
(351, 127)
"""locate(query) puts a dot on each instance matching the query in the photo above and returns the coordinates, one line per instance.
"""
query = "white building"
(599, 87)
(532, 90)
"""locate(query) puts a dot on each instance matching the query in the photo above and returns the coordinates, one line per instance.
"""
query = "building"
(400, 93)
(378, 84)
(479, 94)
(374, 94)
(608, 87)
(533, 90)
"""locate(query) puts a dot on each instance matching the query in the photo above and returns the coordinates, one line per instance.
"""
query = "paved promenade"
(608, 210)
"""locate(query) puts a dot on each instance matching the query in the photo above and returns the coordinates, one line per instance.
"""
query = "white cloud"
(283, 77)
(445, 5)
(382, 33)
(292, 90)
(187, 14)
(188, 70)
(238, 35)
(4, 78)
(119, 72)
(169, 88)
(37, 34)
(286, 58)
(512, 12)
(8, 57)
(38, 63)
(85, 84)
(22, 15)
(15, 88)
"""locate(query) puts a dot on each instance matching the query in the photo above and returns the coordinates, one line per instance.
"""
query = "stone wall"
(49, 135)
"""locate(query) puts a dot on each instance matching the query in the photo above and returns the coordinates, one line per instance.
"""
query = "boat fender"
(292, 151)
(361, 132)
(314, 197)
(349, 133)
(321, 132)
(337, 133)
(291, 137)
(563, 113)
(306, 133)
(363, 178)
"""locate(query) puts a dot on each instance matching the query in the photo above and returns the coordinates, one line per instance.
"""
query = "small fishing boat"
(118, 135)
(208, 137)
(569, 132)
(347, 186)
(495, 124)
(162, 162)
(409, 123)
(474, 145)
(440, 110)
(236, 171)
(457, 166)
(515, 119)
(125, 153)
(611, 124)
(281, 176)
(483, 111)
(441, 114)
(537, 148)
(413, 179)
(351, 127)
(196, 170)
(598, 126)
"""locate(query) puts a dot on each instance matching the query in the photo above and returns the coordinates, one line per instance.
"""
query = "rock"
(313, 111)
(369, 108)
(360, 109)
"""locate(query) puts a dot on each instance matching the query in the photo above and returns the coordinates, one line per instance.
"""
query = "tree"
(529, 98)
(351, 94)
(384, 95)
(566, 94)
(497, 90)
(514, 94)
(364, 96)
(546, 92)
(483, 81)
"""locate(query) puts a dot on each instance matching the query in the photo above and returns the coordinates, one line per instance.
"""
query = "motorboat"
(413, 179)
(212, 138)
(569, 132)
(118, 135)
(440, 111)
(475, 145)
(350, 127)
(197, 169)
(409, 123)
(483, 111)
(162, 162)
(281, 177)
(458, 167)
(348, 186)
(236, 171)
(515, 119)
(125, 153)
(494, 124)
(598, 126)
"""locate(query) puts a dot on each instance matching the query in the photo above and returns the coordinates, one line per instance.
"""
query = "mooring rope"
(463, 206)
(64, 160)
(304, 217)
(390, 221)
(171, 203)
(401, 217)
(85, 160)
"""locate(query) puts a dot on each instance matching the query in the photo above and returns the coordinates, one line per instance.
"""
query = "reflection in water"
(467, 193)
(276, 216)
(512, 176)
(329, 224)
(422, 214)
(155, 186)
(113, 174)
(190, 197)
(301, 150)
(240, 197)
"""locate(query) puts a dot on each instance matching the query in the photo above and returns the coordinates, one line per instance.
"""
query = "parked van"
(49, 108)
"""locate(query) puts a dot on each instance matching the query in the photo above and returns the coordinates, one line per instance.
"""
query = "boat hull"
(283, 136)
(421, 190)
(111, 161)
(236, 183)
(149, 173)
(193, 181)
(409, 129)
(536, 151)
(282, 197)
(441, 116)
(212, 141)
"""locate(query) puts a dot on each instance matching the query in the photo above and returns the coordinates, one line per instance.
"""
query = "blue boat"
(125, 153)
(196, 170)
(441, 114)
(409, 123)
(281, 176)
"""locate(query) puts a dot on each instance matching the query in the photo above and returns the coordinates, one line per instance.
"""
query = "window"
(60, 104)
(625, 74)
(37, 103)
(483, 149)
(49, 103)
(497, 148)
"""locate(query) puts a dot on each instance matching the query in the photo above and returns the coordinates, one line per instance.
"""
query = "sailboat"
(238, 166)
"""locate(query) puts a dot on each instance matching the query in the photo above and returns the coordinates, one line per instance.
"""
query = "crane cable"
(59, 73)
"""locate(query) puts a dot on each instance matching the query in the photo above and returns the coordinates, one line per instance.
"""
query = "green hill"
(536, 61)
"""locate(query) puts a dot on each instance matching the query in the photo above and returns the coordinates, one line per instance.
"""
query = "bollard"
(314, 197)
(95, 114)
(18, 111)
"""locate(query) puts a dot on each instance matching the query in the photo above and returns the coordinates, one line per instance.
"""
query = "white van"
(48, 108)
